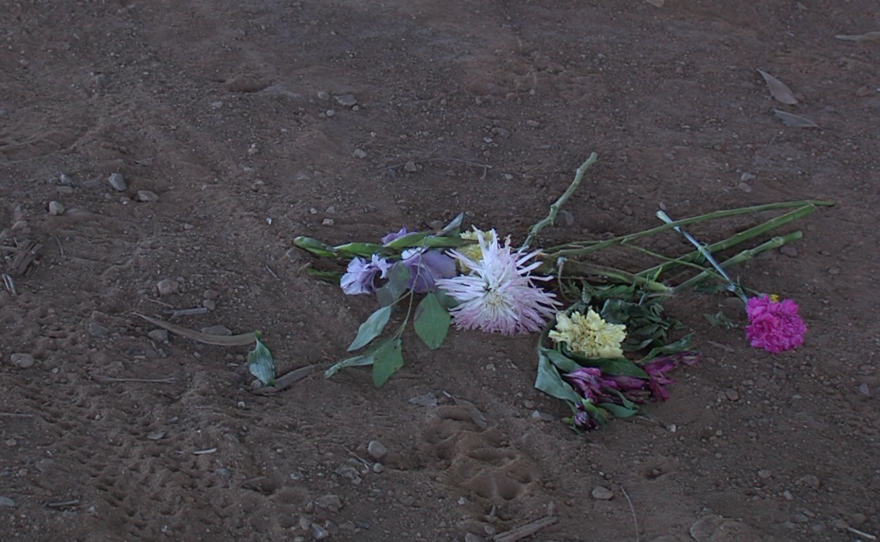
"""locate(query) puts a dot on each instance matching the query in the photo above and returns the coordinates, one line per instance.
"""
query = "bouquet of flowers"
(606, 345)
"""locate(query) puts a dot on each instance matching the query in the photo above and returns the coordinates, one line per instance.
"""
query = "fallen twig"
(60, 246)
(526, 530)
(176, 313)
(63, 504)
(286, 380)
(861, 533)
(216, 340)
(633, 510)
(272, 272)
(205, 452)
(9, 283)
(167, 380)
(15, 415)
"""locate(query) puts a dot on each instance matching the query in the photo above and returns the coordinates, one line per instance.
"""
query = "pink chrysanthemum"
(775, 326)
(499, 295)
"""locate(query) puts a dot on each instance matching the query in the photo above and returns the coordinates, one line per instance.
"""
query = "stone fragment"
(158, 335)
(146, 196)
(117, 181)
(167, 287)
(98, 330)
(602, 493)
(56, 208)
(376, 449)
(22, 360)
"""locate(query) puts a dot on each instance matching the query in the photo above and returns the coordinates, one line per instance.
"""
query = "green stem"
(576, 249)
(776, 242)
(728, 243)
(582, 268)
(554, 209)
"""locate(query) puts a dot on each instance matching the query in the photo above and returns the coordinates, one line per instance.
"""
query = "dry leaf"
(656, 3)
(778, 89)
(869, 36)
(797, 121)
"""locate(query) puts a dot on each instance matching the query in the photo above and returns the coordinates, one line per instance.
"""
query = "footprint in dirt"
(476, 458)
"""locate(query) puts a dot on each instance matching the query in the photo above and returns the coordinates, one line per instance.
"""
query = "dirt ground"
(249, 123)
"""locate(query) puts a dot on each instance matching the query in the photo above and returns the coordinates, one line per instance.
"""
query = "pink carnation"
(775, 326)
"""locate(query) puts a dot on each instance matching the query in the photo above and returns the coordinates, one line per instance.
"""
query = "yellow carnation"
(589, 335)
(474, 251)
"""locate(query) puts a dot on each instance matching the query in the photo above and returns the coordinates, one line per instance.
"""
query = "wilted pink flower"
(658, 368)
(499, 295)
(775, 326)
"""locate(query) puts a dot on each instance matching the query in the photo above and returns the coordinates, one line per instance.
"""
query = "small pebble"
(789, 251)
(329, 502)
(376, 449)
(323, 95)
(211, 294)
(425, 400)
(378, 468)
(800, 518)
(146, 196)
(602, 493)
(22, 360)
(209, 304)
(840, 524)
(64, 190)
(117, 181)
(167, 287)
(745, 187)
(359, 153)
(346, 100)
(328, 222)
(787, 495)
(732, 395)
(56, 208)
(858, 519)
(98, 330)
(318, 532)
(810, 481)
(471, 537)
(746, 177)
(65, 179)
(330, 113)
(6, 501)
(765, 473)
(158, 335)
(410, 167)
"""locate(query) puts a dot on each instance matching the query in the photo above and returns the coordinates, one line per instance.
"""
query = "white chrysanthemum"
(499, 295)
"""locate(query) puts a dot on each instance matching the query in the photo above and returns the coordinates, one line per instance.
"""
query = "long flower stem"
(576, 249)
(582, 269)
(731, 242)
(554, 209)
(776, 242)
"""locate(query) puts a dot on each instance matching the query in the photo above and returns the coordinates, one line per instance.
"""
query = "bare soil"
(254, 122)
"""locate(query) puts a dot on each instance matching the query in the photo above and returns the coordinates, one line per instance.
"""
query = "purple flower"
(775, 326)
(583, 420)
(426, 267)
(589, 381)
(360, 277)
(658, 368)
(392, 236)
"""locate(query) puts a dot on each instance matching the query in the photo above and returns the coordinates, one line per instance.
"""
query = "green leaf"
(371, 329)
(550, 382)
(329, 276)
(431, 321)
(399, 277)
(445, 299)
(387, 360)
(560, 360)
(721, 320)
(356, 361)
(453, 229)
(261, 363)
(365, 250)
(318, 248)
(672, 348)
(409, 240)
(619, 411)
(613, 366)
